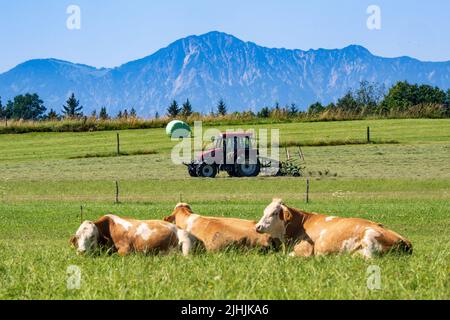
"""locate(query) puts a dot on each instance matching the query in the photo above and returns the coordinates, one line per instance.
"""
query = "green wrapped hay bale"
(178, 129)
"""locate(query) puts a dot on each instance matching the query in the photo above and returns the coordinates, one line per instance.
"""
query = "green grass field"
(44, 179)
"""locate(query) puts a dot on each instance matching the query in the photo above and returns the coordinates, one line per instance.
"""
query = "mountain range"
(217, 65)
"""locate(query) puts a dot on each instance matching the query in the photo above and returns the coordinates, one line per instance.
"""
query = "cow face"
(86, 238)
(179, 208)
(274, 219)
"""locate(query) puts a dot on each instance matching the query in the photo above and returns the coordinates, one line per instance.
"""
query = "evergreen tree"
(330, 106)
(348, 103)
(72, 108)
(103, 114)
(173, 109)
(276, 112)
(293, 110)
(94, 114)
(133, 113)
(316, 108)
(2, 109)
(221, 108)
(156, 115)
(186, 111)
(119, 115)
(52, 115)
(125, 114)
(264, 113)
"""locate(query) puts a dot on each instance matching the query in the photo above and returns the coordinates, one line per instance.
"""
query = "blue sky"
(117, 31)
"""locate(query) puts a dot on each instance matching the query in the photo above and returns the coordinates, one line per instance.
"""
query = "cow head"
(86, 238)
(274, 219)
(181, 208)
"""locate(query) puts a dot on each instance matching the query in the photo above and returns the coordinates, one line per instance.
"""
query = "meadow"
(46, 177)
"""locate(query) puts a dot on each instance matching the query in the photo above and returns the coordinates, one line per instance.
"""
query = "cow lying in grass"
(219, 233)
(316, 234)
(128, 235)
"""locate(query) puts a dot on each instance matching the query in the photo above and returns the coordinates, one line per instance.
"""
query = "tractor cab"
(235, 153)
(242, 140)
(234, 145)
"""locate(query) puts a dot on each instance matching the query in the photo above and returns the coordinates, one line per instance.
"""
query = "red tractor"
(235, 153)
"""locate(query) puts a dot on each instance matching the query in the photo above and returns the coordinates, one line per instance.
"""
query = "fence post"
(81, 214)
(118, 145)
(368, 134)
(307, 191)
(117, 192)
(300, 152)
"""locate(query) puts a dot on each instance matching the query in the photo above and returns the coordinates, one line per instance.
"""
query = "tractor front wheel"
(192, 169)
(207, 170)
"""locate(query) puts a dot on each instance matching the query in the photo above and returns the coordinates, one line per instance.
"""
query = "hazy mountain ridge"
(214, 65)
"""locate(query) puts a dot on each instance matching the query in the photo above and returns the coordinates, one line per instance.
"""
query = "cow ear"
(287, 215)
(73, 241)
(169, 219)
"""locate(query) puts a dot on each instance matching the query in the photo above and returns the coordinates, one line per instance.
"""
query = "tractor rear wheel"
(248, 170)
(207, 170)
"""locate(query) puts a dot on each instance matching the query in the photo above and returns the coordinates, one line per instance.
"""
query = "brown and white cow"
(129, 235)
(220, 233)
(317, 234)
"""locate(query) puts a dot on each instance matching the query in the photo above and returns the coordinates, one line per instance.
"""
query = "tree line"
(368, 99)
(403, 97)
(174, 110)
(31, 107)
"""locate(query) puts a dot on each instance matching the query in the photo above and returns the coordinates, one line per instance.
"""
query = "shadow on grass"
(341, 142)
(114, 154)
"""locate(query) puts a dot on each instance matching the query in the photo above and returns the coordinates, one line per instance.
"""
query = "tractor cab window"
(240, 142)
(230, 143)
(245, 142)
(218, 142)
(248, 143)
